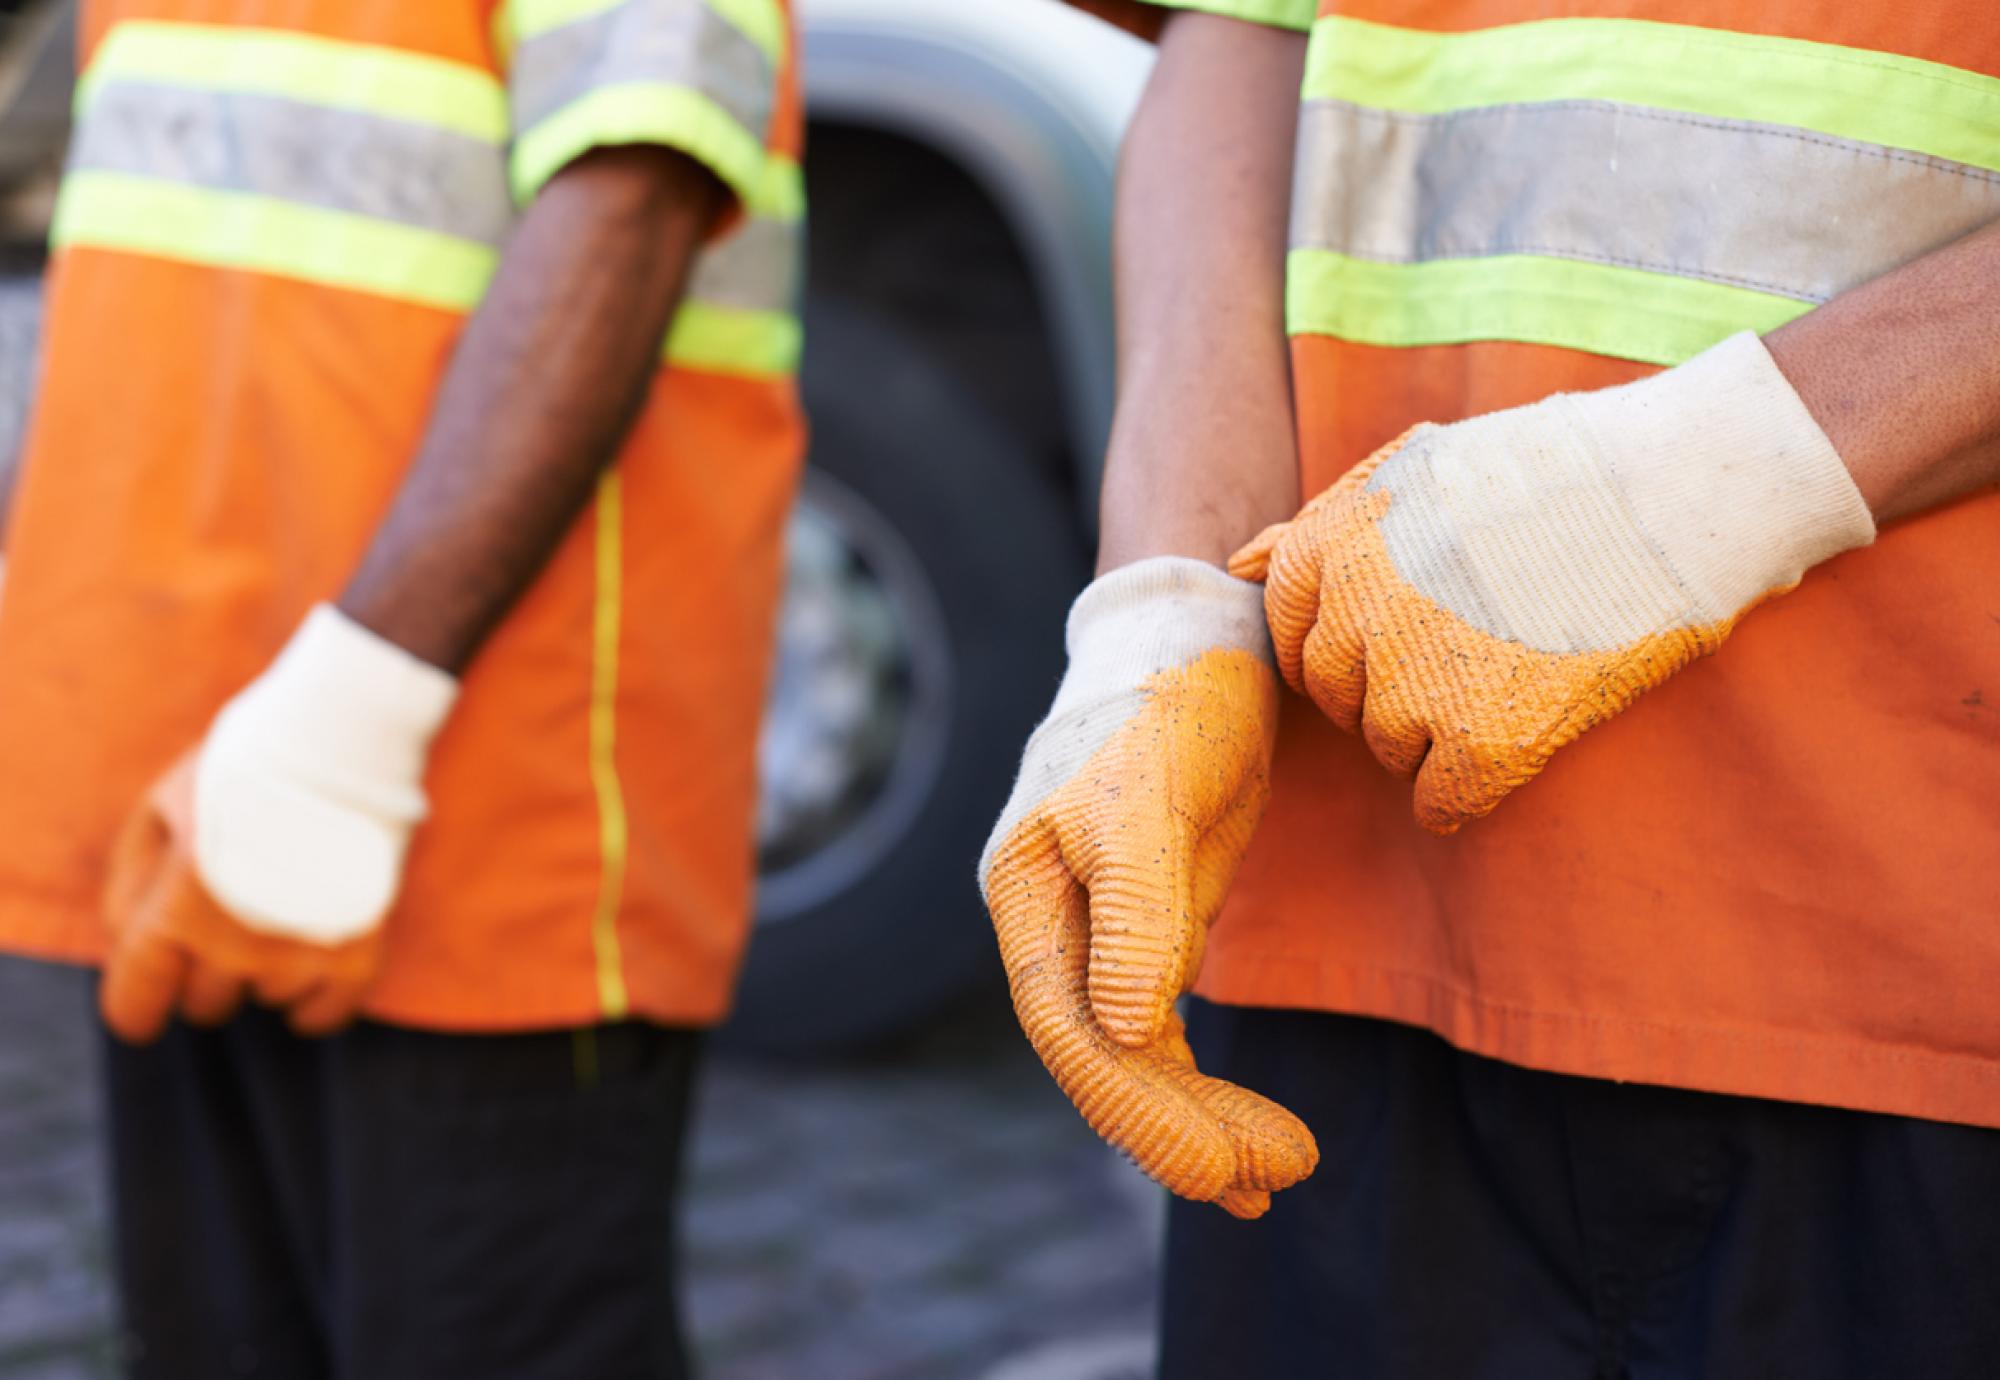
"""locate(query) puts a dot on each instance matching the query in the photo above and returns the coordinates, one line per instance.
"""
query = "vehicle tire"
(980, 552)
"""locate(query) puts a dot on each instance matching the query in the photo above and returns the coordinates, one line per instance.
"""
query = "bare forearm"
(540, 393)
(1903, 374)
(1203, 453)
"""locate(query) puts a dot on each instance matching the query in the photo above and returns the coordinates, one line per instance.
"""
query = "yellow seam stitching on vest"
(613, 841)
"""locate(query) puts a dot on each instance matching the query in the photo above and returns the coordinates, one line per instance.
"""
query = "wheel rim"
(856, 721)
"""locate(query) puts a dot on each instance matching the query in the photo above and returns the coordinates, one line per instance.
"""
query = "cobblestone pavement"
(929, 1213)
(938, 1211)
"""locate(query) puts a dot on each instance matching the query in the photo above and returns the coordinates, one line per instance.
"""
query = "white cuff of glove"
(1591, 520)
(310, 782)
(1125, 628)
(1727, 473)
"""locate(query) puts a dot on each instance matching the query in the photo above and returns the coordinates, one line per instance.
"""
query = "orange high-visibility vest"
(277, 217)
(1779, 874)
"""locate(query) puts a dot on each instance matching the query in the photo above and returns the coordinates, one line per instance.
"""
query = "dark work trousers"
(395, 1205)
(1471, 1220)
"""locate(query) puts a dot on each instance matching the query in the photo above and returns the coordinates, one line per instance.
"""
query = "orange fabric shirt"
(1779, 874)
(210, 452)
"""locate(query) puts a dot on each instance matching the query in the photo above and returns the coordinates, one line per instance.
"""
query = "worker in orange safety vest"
(1576, 821)
(389, 595)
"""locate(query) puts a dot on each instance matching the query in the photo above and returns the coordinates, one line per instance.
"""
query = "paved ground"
(929, 1213)
(937, 1212)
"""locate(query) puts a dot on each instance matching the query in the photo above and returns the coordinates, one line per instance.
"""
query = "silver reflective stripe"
(644, 42)
(1767, 207)
(758, 268)
(338, 160)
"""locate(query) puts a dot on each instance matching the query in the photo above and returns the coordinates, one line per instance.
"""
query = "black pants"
(392, 1205)
(1473, 1219)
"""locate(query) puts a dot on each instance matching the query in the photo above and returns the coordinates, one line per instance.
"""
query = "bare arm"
(1203, 452)
(1903, 374)
(547, 378)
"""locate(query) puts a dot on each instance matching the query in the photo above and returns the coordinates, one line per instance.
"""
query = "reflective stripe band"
(317, 71)
(756, 269)
(337, 159)
(613, 834)
(760, 21)
(1850, 93)
(1602, 308)
(780, 192)
(608, 78)
(727, 340)
(231, 230)
(259, 234)
(668, 115)
(1755, 206)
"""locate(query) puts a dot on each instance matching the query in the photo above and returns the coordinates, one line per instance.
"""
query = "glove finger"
(1041, 917)
(1272, 1148)
(1142, 921)
(210, 996)
(327, 1008)
(1292, 590)
(284, 984)
(142, 982)
(1396, 737)
(1219, 855)
(138, 858)
(1253, 558)
(1335, 669)
(1457, 785)
(1246, 1203)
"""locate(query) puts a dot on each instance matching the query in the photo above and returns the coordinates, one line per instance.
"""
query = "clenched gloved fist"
(1473, 597)
(261, 865)
(1136, 800)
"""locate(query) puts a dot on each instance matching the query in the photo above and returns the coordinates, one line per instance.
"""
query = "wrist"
(310, 782)
(348, 697)
(1158, 613)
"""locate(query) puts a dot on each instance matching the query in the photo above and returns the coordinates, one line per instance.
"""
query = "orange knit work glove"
(1135, 802)
(176, 952)
(263, 864)
(1474, 597)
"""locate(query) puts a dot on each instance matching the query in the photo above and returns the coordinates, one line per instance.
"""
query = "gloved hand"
(1473, 597)
(262, 864)
(1135, 802)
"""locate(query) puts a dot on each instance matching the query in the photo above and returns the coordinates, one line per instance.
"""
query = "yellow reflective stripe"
(731, 340)
(612, 834)
(674, 116)
(780, 193)
(1851, 93)
(1296, 15)
(320, 71)
(760, 21)
(260, 234)
(1623, 312)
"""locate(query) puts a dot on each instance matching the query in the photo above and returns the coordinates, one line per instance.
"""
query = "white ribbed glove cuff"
(1153, 615)
(311, 780)
(1125, 628)
(1727, 474)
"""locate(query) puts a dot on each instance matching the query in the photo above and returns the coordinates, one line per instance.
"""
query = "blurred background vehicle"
(958, 375)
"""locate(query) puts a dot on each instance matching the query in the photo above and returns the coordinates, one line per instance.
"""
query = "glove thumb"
(1253, 561)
